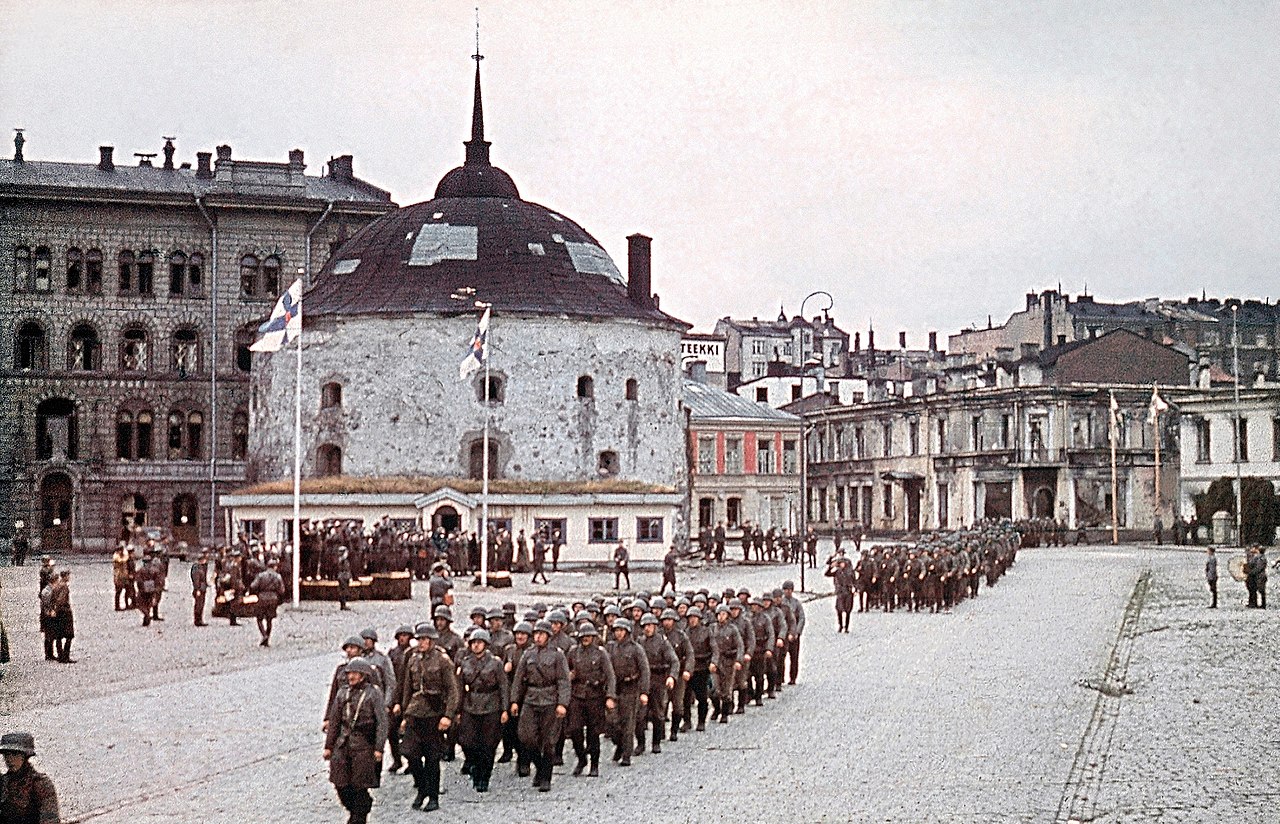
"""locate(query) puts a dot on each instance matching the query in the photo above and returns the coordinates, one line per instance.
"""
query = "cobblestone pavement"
(978, 715)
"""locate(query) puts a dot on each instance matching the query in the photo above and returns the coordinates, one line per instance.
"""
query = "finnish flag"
(285, 322)
(478, 351)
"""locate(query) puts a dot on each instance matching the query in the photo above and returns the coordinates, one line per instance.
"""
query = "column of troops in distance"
(639, 670)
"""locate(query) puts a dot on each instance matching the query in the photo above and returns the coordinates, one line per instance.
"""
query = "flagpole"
(1155, 409)
(1115, 516)
(484, 488)
(297, 471)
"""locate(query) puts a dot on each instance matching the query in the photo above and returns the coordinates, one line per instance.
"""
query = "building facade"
(751, 345)
(745, 460)
(1213, 430)
(128, 298)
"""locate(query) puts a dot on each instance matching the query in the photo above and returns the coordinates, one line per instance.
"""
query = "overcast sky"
(926, 163)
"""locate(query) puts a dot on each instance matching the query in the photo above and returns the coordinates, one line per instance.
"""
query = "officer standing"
(145, 587)
(269, 587)
(20, 544)
(355, 735)
(485, 697)
(540, 699)
(344, 577)
(593, 693)
(621, 565)
(63, 620)
(669, 569)
(1211, 576)
(26, 796)
(199, 586)
(429, 699)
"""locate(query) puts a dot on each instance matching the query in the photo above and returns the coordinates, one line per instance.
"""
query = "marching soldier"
(269, 587)
(727, 658)
(631, 671)
(522, 639)
(356, 730)
(593, 693)
(540, 699)
(698, 688)
(683, 673)
(746, 629)
(762, 653)
(662, 662)
(398, 655)
(429, 700)
(485, 698)
(26, 795)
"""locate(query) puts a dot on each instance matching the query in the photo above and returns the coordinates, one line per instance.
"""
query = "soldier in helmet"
(428, 701)
(499, 636)
(745, 627)
(540, 699)
(682, 674)
(269, 587)
(762, 653)
(728, 653)
(522, 638)
(485, 697)
(398, 656)
(593, 693)
(631, 671)
(663, 665)
(699, 635)
(199, 587)
(351, 647)
(344, 577)
(449, 642)
(355, 735)
(26, 796)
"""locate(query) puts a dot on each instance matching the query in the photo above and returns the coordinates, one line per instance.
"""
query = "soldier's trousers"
(776, 667)
(724, 680)
(479, 736)
(423, 745)
(511, 742)
(623, 733)
(760, 672)
(586, 723)
(697, 688)
(539, 730)
(197, 607)
(793, 658)
(143, 602)
(356, 800)
(656, 712)
(679, 703)
(393, 735)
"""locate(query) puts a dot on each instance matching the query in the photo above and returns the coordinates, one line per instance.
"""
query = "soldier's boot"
(724, 711)
(639, 750)
(617, 751)
(715, 711)
(418, 799)
(432, 805)
(657, 737)
(594, 772)
(505, 758)
(581, 752)
(743, 699)
(522, 767)
(675, 729)
(702, 718)
(685, 726)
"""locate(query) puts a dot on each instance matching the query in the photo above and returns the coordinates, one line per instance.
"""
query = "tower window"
(608, 463)
(492, 391)
(75, 269)
(586, 387)
(331, 395)
(177, 273)
(329, 460)
(146, 272)
(44, 278)
(93, 271)
(633, 389)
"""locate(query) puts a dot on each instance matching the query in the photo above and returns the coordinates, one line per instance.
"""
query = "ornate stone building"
(584, 394)
(128, 298)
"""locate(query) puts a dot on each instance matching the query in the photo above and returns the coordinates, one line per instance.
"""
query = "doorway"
(56, 497)
(446, 517)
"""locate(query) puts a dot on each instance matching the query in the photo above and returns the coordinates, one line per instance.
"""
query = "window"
(586, 387)
(185, 439)
(733, 456)
(30, 354)
(176, 420)
(493, 391)
(790, 463)
(144, 424)
(1203, 442)
(822, 503)
(133, 435)
(1006, 431)
(648, 530)
(195, 273)
(602, 530)
(83, 349)
(186, 512)
(75, 269)
(942, 436)
(328, 460)
(133, 350)
(943, 506)
(93, 271)
(57, 430)
(146, 272)
(253, 529)
(249, 267)
(762, 394)
(759, 347)
(239, 435)
(44, 277)
(124, 435)
(706, 512)
(607, 464)
(797, 391)
(24, 274)
(859, 442)
(125, 266)
(758, 369)
(133, 512)
(840, 503)
(633, 389)
(185, 352)
(975, 433)
(886, 492)
(243, 340)
(177, 273)
(476, 459)
(1241, 439)
(913, 437)
(706, 456)
(331, 395)
(766, 458)
(270, 285)
(733, 511)
(886, 438)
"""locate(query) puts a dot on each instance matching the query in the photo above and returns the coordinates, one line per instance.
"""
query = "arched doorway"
(1043, 503)
(447, 517)
(56, 496)
(186, 519)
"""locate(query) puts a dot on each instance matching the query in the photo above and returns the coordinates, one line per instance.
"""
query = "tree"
(1257, 497)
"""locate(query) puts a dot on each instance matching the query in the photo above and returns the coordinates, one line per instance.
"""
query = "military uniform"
(355, 735)
(591, 684)
(662, 664)
(727, 657)
(199, 589)
(678, 638)
(428, 694)
(631, 670)
(540, 689)
(485, 696)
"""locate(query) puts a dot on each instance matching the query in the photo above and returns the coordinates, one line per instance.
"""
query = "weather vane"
(477, 56)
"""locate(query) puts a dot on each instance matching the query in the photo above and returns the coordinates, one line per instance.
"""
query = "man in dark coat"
(269, 587)
(540, 699)
(62, 620)
(485, 697)
(593, 691)
(344, 577)
(621, 565)
(355, 734)
(199, 587)
(26, 796)
(429, 701)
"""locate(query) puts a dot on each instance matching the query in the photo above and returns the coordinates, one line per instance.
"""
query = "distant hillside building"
(128, 297)
(751, 345)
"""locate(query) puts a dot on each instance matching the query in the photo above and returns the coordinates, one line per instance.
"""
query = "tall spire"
(477, 146)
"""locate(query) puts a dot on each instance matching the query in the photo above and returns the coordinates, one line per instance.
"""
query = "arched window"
(239, 435)
(245, 336)
(125, 264)
(476, 459)
(93, 271)
(177, 272)
(57, 430)
(586, 387)
(124, 435)
(331, 395)
(30, 354)
(44, 275)
(249, 266)
(186, 515)
(494, 392)
(84, 350)
(175, 425)
(270, 285)
(75, 269)
(142, 430)
(24, 274)
(133, 511)
(146, 272)
(134, 350)
(185, 352)
(195, 273)
(195, 436)
(633, 389)
(608, 463)
(329, 460)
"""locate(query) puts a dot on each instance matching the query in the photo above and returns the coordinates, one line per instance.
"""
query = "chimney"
(1047, 303)
(639, 278)
(224, 153)
(203, 170)
(105, 163)
(871, 339)
(902, 340)
(1032, 300)
(295, 158)
(342, 168)
(18, 140)
(933, 341)
(168, 153)
(857, 341)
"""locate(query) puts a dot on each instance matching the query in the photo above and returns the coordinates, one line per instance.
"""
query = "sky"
(927, 164)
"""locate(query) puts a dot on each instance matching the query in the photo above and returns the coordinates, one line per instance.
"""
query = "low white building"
(1209, 445)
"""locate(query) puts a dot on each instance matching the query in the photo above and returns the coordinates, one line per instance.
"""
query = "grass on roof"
(356, 485)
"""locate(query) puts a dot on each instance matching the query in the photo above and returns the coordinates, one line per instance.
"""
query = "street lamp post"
(804, 497)
(1235, 426)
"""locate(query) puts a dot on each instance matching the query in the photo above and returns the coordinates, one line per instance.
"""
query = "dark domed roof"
(477, 232)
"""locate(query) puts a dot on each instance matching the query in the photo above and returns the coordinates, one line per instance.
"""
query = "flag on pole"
(1115, 416)
(478, 350)
(285, 323)
(1158, 405)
